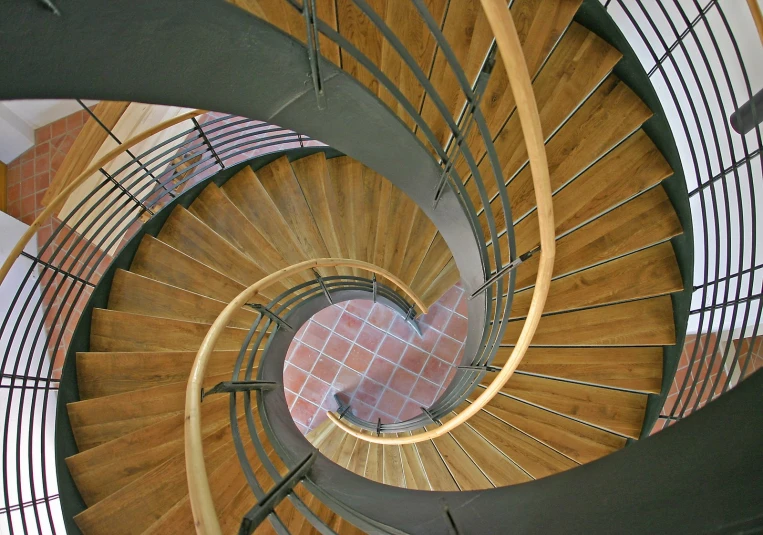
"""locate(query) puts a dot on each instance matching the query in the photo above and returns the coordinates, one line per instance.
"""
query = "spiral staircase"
(600, 361)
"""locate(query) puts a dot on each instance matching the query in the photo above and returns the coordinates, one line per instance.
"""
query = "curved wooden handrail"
(204, 515)
(519, 80)
(63, 195)
(757, 16)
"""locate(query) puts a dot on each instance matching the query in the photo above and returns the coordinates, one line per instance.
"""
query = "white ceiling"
(20, 118)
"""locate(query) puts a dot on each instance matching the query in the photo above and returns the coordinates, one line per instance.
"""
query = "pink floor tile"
(368, 356)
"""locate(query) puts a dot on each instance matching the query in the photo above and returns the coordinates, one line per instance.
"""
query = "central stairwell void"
(517, 148)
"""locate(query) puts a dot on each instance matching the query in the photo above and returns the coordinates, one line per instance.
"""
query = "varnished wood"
(601, 187)
(374, 462)
(326, 202)
(615, 410)
(466, 473)
(646, 220)
(532, 456)
(85, 146)
(645, 322)
(436, 258)
(277, 178)
(159, 261)
(576, 67)
(186, 233)
(134, 293)
(438, 475)
(647, 273)
(442, 283)
(97, 475)
(215, 209)
(112, 330)
(100, 420)
(578, 441)
(3, 187)
(630, 368)
(415, 474)
(246, 192)
(142, 502)
(499, 470)
(106, 374)
(393, 466)
(359, 458)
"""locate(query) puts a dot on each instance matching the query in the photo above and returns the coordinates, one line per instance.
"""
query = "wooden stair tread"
(112, 330)
(413, 469)
(393, 466)
(615, 410)
(103, 419)
(375, 463)
(578, 441)
(600, 188)
(159, 261)
(467, 474)
(145, 500)
(500, 470)
(277, 178)
(646, 273)
(532, 456)
(438, 474)
(110, 373)
(645, 322)
(187, 233)
(641, 222)
(218, 212)
(102, 470)
(630, 368)
(247, 194)
(131, 292)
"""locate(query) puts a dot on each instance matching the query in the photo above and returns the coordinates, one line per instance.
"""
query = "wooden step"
(467, 474)
(100, 420)
(112, 330)
(394, 215)
(436, 259)
(137, 294)
(413, 469)
(393, 466)
(103, 470)
(648, 322)
(499, 469)
(644, 221)
(438, 475)
(613, 112)
(186, 233)
(647, 273)
(539, 25)
(217, 211)
(246, 193)
(375, 463)
(107, 374)
(327, 203)
(629, 368)
(442, 283)
(136, 506)
(614, 410)
(532, 456)
(600, 188)
(359, 457)
(578, 441)
(158, 261)
(277, 178)
(577, 66)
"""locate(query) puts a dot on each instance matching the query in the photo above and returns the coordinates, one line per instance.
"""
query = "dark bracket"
(206, 140)
(323, 286)
(262, 309)
(238, 386)
(378, 427)
(283, 488)
(375, 287)
(484, 368)
(511, 266)
(314, 51)
(430, 416)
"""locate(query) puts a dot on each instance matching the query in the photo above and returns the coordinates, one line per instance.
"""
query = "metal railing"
(703, 59)
(52, 281)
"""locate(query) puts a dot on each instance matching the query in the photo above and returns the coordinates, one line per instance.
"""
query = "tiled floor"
(376, 361)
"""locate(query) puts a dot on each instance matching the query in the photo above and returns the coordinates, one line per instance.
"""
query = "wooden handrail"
(757, 16)
(507, 39)
(63, 195)
(204, 515)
